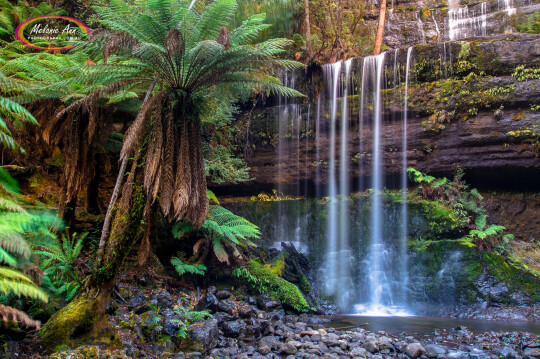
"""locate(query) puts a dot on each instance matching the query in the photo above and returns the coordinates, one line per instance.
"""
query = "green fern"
(58, 260)
(226, 230)
(183, 268)
(18, 223)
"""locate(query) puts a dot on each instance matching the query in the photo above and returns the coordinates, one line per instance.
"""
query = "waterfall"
(331, 76)
(508, 6)
(403, 253)
(385, 267)
(288, 149)
(338, 280)
(463, 23)
(378, 284)
(345, 280)
(318, 146)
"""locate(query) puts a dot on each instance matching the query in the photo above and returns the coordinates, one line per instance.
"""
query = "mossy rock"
(75, 324)
(280, 289)
(431, 256)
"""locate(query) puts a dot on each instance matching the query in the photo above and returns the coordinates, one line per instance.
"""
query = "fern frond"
(183, 268)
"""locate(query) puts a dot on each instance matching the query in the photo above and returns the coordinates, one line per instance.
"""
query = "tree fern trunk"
(84, 316)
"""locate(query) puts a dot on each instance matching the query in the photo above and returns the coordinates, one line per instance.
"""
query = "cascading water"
(463, 23)
(386, 262)
(331, 76)
(508, 6)
(378, 284)
(404, 209)
(344, 275)
(473, 21)
(338, 281)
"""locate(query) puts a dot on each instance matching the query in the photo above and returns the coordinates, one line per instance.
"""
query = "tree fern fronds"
(249, 31)
(11, 315)
(7, 258)
(19, 284)
(219, 251)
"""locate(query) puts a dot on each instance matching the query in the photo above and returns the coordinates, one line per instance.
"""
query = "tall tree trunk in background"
(85, 314)
(339, 26)
(380, 28)
(308, 31)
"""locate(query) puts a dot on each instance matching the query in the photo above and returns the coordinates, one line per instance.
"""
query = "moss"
(280, 289)
(75, 317)
(515, 273)
(278, 267)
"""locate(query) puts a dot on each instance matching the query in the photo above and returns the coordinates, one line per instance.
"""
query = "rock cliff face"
(473, 105)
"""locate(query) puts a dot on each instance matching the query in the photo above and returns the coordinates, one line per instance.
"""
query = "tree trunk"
(308, 31)
(380, 28)
(339, 26)
(92, 193)
(84, 317)
(67, 211)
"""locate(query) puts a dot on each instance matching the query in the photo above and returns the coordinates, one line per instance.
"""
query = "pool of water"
(426, 325)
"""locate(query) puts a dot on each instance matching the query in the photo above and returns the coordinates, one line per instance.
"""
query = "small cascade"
(464, 23)
(288, 149)
(507, 6)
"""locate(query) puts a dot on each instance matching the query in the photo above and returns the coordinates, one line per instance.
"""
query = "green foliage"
(279, 15)
(187, 317)
(183, 268)
(12, 15)
(458, 211)
(19, 223)
(58, 263)
(244, 276)
(419, 177)
(531, 25)
(521, 73)
(11, 113)
(280, 289)
(221, 166)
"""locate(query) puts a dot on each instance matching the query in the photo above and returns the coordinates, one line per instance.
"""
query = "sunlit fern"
(226, 230)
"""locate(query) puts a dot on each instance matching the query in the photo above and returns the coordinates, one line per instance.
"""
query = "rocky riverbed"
(151, 324)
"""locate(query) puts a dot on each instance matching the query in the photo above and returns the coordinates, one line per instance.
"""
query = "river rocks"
(433, 350)
(415, 350)
(233, 329)
(208, 301)
(505, 352)
(203, 336)
(532, 352)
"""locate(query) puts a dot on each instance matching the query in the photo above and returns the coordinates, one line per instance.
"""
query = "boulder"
(415, 350)
(201, 337)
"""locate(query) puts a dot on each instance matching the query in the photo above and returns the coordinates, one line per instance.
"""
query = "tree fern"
(225, 230)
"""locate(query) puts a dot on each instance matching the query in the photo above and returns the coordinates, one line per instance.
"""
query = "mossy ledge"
(280, 289)
(430, 255)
